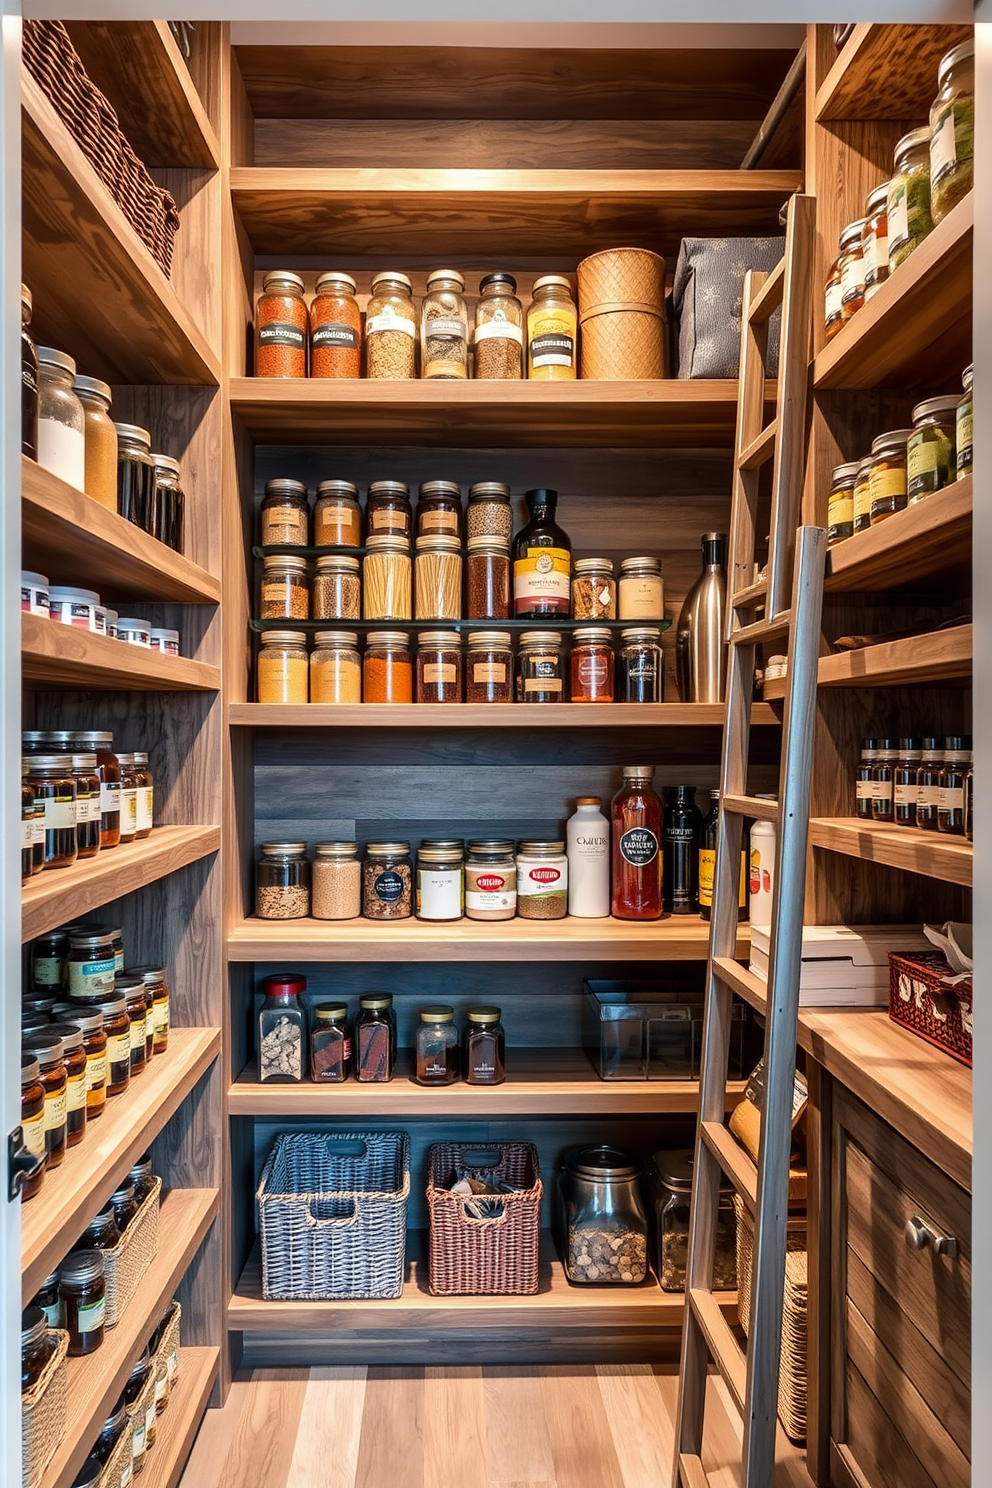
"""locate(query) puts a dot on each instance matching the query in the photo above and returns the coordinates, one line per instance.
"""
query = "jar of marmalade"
(83, 1288)
(75, 1079)
(47, 1049)
(157, 990)
(117, 1027)
(90, 1025)
(33, 1122)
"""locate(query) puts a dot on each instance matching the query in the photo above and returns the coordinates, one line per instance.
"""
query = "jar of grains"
(61, 420)
(386, 579)
(391, 328)
(641, 590)
(840, 508)
(87, 805)
(439, 667)
(388, 512)
(490, 881)
(489, 667)
(335, 667)
(282, 667)
(337, 881)
(437, 1047)
(438, 590)
(489, 511)
(852, 269)
(285, 514)
(552, 330)
(282, 327)
(337, 516)
(542, 881)
(875, 239)
(52, 780)
(335, 328)
(439, 509)
(640, 666)
(330, 1044)
(952, 130)
(336, 588)
(833, 317)
(444, 327)
(862, 495)
(888, 474)
(101, 441)
(499, 330)
(285, 588)
(592, 665)
(387, 881)
(963, 424)
(909, 196)
(441, 879)
(594, 589)
(387, 672)
(487, 579)
(540, 668)
(282, 881)
(930, 462)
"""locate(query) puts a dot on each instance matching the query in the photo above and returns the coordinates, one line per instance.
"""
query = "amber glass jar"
(862, 495)
(888, 476)
(53, 782)
(388, 512)
(33, 1122)
(46, 1047)
(27, 824)
(852, 269)
(125, 1204)
(840, 510)
(91, 963)
(439, 509)
(592, 665)
(282, 327)
(387, 669)
(285, 514)
(129, 798)
(75, 1079)
(101, 441)
(132, 989)
(875, 240)
(83, 1288)
(489, 667)
(146, 793)
(833, 317)
(90, 1025)
(335, 328)
(117, 1027)
(439, 667)
(87, 805)
(487, 579)
(142, 1175)
(337, 516)
(108, 768)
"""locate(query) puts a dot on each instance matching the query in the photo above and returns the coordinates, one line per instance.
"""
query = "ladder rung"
(725, 1351)
(762, 630)
(760, 450)
(753, 806)
(739, 979)
(746, 599)
(692, 1472)
(733, 1160)
(769, 296)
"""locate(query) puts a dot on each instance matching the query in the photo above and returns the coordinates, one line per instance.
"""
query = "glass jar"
(602, 1222)
(386, 579)
(91, 964)
(904, 789)
(640, 666)
(437, 1047)
(285, 593)
(170, 502)
(33, 1123)
(82, 1286)
(499, 330)
(440, 879)
(37, 1348)
(952, 130)
(641, 590)
(335, 667)
(100, 438)
(875, 240)
(47, 1300)
(337, 588)
(591, 665)
(862, 495)
(46, 1047)
(439, 509)
(375, 1039)
(439, 667)
(387, 670)
(132, 989)
(963, 424)
(135, 476)
(337, 881)
(888, 474)
(444, 327)
(908, 206)
(387, 881)
(490, 881)
(671, 1181)
(391, 328)
(87, 805)
(330, 1044)
(863, 778)
(388, 512)
(52, 781)
(542, 881)
(489, 667)
(882, 780)
(840, 510)
(146, 793)
(90, 1475)
(109, 771)
(110, 1434)
(540, 668)
(337, 515)
(852, 269)
(484, 1047)
(930, 461)
(281, 1029)
(27, 824)
(594, 589)
(282, 327)
(490, 513)
(969, 803)
(833, 317)
(75, 1079)
(438, 590)
(487, 579)
(552, 330)
(102, 1232)
(335, 328)
(282, 881)
(117, 1027)
(284, 516)
(90, 1025)
(283, 667)
(139, 1377)
(129, 798)
(29, 380)
(950, 789)
(61, 421)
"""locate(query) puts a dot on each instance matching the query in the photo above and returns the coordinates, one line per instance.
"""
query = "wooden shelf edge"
(939, 656)
(931, 854)
(644, 183)
(921, 539)
(60, 656)
(490, 715)
(178, 1425)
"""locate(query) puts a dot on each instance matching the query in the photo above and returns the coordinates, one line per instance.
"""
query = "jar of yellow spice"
(552, 330)
(335, 668)
(101, 440)
(283, 667)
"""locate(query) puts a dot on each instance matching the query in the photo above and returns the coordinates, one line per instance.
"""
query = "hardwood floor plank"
(454, 1428)
(391, 1451)
(580, 1432)
(518, 1446)
(330, 1429)
(262, 1450)
(212, 1447)
(643, 1436)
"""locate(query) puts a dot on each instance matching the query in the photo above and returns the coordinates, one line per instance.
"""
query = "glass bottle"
(29, 380)
(490, 880)
(882, 775)
(282, 326)
(489, 667)
(437, 1047)
(335, 328)
(101, 441)
(391, 328)
(700, 645)
(33, 1123)
(283, 667)
(904, 790)
(640, 666)
(963, 424)
(638, 824)
(284, 516)
(540, 668)
(388, 511)
(542, 562)
(387, 579)
(52, 780)
(840, 512)
(930, 461)
(542, 881)
(863, 778)
(439, 509)
(852, 270)
(680, 870)
(707, 863)
(591, 665)
(952, 130)
(170, 503)
(875, 240)
(61, 421)
(908, 211)
(440, 879)
(83, 1289)
(587, 834)
(487, 579)
(337, 515)
(438, 579)
(281, 1029)
(282, 881)
(387, 668)
(75, 1079)
(499, 330)
(888, 475)
(484, 1047)
(335, 667)
(136, 480)
(444, 327)
(950, 790)
(375, 1039)
(330, 1044)
(552, 330)
(490, 513)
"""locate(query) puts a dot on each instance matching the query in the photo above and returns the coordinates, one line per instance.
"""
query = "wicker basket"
(166, 1361)
(484, 1257)
(52, 60)
(622, 315)
(141, 1414)
(43, 1415)
(792, 1369)
(117, 1469)
(332, 1212)
(921, 1000)
(130, 1258)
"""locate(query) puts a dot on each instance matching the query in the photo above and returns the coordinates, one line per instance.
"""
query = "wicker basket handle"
(336, 1221)
(480, 1157)
(495, 1220)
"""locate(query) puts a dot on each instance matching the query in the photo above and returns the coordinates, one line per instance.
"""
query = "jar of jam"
(489, 667)
(930, 461)
(489, 511)
(888, 474)
(439, 509)
(47, 1049)
(487, 579)
(157, 993)
(109, 772)
(94, 1043)
(129, 798)
(132, 989)
(540, 668)
(330, 1044)
(840, 511)
(437, 1047)
(862, 495)
(337, 515)
(285, 588)
(439, 667)
(388, 512)
(49, 954)
(52, 781)
(33, 1123)
(75, 1079)
(116, 938)
(284, 517)
(640, 666)
(852, 269)
(27, 824)
(37, 1347)
(102, 1232)
(83, 1288)
(592, 665)
(335, 327)
(117, 1027)
(484, 1047)
(875, 240)
(125, 1205)
(139, 1423)
(142, 1175)
(91, 964)
(48, 1300)
(375, 1039)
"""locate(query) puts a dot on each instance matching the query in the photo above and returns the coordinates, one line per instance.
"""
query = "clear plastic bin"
(639, 1031)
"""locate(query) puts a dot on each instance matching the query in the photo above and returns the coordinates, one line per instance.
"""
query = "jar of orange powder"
(387, 675)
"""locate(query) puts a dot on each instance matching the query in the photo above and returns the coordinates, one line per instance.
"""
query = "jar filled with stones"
(282, 881)
(281, 1029)
(602, 1220)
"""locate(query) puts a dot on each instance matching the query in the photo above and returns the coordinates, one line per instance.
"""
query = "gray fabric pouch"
(707, 297)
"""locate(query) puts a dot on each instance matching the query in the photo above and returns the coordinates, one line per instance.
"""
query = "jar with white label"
(444, 327)
(763, 843)
(391, 328)
(852, 269)
(53, 782)
(76, 607)
(440, 879)
(61, 419)
(909, 220)
(489, 667)
(499, 330)
(87, 805)
(552, 330)
(928, 783)
(542, 881)
(129, 798)
(490, 881)
(904, 790)
(91, 965)
(134, 631)
(952, 130)
(27, 824)
(950, 790)
(146, 793)
(875, 240)
(34, 594)
(882, 780)
(164, 640)
(641, 590)
(862, 778)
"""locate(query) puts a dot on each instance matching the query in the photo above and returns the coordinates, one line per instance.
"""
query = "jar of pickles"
(284, 516)
(439, 667)
(438, 587)
(499, 330)
(337, 516)
(930, 462)
(908, 209)
(840, 510)
(888, 474)
(444, 327)
(283, 667)
(337, 588)
(391, 328)
(386, 579)
(285, 588)
(489, 667)
(335, 667)
(952, 130)
(439, 509)
(964, 419)
(852, 269)
(875, 240)
(540, 668)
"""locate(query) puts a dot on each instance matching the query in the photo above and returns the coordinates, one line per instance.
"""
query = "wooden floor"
(556, 1426)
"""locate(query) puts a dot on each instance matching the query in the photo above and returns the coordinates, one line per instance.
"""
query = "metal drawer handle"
(921, 1235)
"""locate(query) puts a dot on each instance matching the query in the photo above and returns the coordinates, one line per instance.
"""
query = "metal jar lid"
(440, 852)
(81, 1266)
(641, 565)
(134, 434)
(438, 274)
(341, 639)
(69, 1035)
(30, 1070)
(337, 563)
(166, 464)
(641, 633)
(895, 439)
(392, 640)
(961, 53)
(541, 849)
(948, 403)
(389, 488)
(34, 1326)
(598, 566)
(602, 1164)
(877, 197)
(496, 847)
(282, 488)
(83, 762)
(549, 638)
(483, 1014)
(332, 277)
(51, 764)
(913, 140)
(851, 234)
(638, 772)
(282, 279)
(330, 1012)
(437, 1015)
(338, 488)
(488, 543)
(97, 938)
(387, 849)
(592, 635)
(445, 640)
(335, 849)
(92, 387)
(440, 488)
(50, 356)
(502, 279)
(277, 563)
(546, 280)
(844, 473)
(376, 1001)
(390, 277)
(388, 542)
(110, 1007)
(489, 491)
(489, 640)
(78, 1017)
(437, 542)
(284, 638)
(281, 849)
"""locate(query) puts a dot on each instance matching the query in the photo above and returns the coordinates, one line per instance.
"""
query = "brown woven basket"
(117, 1469)
(43, 1414)
(921, 1000)
(792, 1382)
(166, 1360)
(126, 1264)
(484, 1257)
(622, 315)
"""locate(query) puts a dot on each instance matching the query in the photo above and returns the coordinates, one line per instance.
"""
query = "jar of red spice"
(387, 672)
(335, 328)
(592, 665)
(282, 327)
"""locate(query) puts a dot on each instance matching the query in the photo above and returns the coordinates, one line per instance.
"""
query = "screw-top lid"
(78, 1016)
(337, 488)
(335, 849)
(638, 772)
(393, 640)
(283, 983)
(388, 541)
(895, 439)
(641, 633)
(281, 849)
(440, 852)
(489, 491)
(328, 1012)
(505, 280)
(868, 745)
(128, 986)
(888, 746)
(64, 592)
(957, 742)
(929, 406)
(389, 488)
(134, 622)
(332, 277)
(45, 1045)
(345, 638)
(541, 496)
(50, 356)
(83, 762)
(51, 764)
(438, 274)
(603, 1164)
(592, 635)
(276, 563)
(68, 1034)
(546, 638)
(588, 800)
(549, 279)
(846, 472)
(906, 744)
(967, 377)
(446, 640)
(92, 387)
(851, 234)
(489, 542)
(97, 935)
(82, 1266)
(445, 842)
(912, 141)
(436, 542)
(141, 1367)
(110, 1007)
(483, 1014)
(283, 487)
(134, 434)
(282, 279)
(440, 488)
(596, 566)
(34, 1326)
(30, 1070)
(486, 847)
(89, 1474)
(124, 1194)
(877, 197)
(931, 744)
(540, 849)
(963, 52)
(376, 1001)
(437, 1015)
(387, 849)
(390, 276)
(284, 638)
(489, 640)
(27, 302)
(166, 464)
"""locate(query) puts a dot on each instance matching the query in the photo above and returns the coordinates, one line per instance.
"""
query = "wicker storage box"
(622, 315)
(43, 1415)
(117, 1469)
(165, 1363)
(130, 1258)
(490, 1256)
(792, 1370)
(921, 1000)
(332, 1212)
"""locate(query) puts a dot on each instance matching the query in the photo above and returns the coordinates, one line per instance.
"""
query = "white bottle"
(588, 839)
(763, 844)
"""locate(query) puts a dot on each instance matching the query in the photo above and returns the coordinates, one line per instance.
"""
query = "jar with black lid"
(37, 1348)
(375, 1039)
(53, 782)
(109, 771)
(132, 989)
(490, 513)
(540, 668)
(928, 782)
(640, 666)
(117, 1027)
(437, 1047)
(439, 509)
(49, 954)
(27, 824)
(83, 1287)
(102, 1233)
(484, 1047)
(904, 789)
(388, 511)
(330, 1044)
(337, 515)
(882, 774)
(129, 798)
(863, 778)
(48, 1299)
(75, 1079)
(90, 1025)
(136, 479)
(125, 1204)
(139, 1423)
(157, 993)
(110, 1433)
(33, 1123)
(284, 516)
(91, 964)
(950, 791)
(87, 805)
(47, 1049)
(143, 1177)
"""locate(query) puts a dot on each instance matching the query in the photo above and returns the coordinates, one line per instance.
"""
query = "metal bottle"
(700, 646)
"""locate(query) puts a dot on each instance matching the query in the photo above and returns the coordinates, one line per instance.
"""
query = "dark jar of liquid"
(904, 788)
(48, 1299)
(136, 479)
(437, 1047)
(102, 1232)
(863, 778)
(124, 1205)
(83, 1288)
(27, 825)
(330, 1044)
(882, 780)
(375, 1039)
(47, 1049)
(484, 1047)
(950, 791)
(37, 1347)
(139, 1422)
(680, 869)
(117, 1028)
(75, 1079)
(33, 1123)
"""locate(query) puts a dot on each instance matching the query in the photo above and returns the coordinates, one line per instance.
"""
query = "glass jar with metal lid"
(438, 579)
(487, 579)
(391, 328)
(489, 667)
(285, 591)
(337, 516)
(117, 1027)
(908, 208)
(499, 330)
(108, 769)
(29, 380)
(116, 937)
(91, 963)
(47, 1299)
(439, 509)
(87, 805)
(33, 1123)
(61, 420)
(484, 1047)
(952, 130)
(170, 503)
(89, 1021)
(964, 424)
(27, 825)
(863, 778)
(640, 666)
(670, 1175)
(852, 269)
(159, 1010)
(833, 318)
(490, 513)
(439, 667)
(129, 797)
(283, 667)
(387, 579)
(950, 787)
(882, 780)
(335, 327)
(436, 1047)
(490, 880)
(862, 495)
(74, 1056)
(591, 665)
(840, 508)
(101, 440)
(930, 461)
(387, 668)
(337, 881)
(540, 667)
(444, 327)
(48, 961)
(102, 1232)
(330, 1044)
(82, 1285)
(602, 1220)
(37, 1347)
(337, 588)
(282, 326)
(440, 879)
(904, 788)
(52, 779)
(146, 793)
(282, 881)
(375, 1039)
(142, 1175)
(641, 591)
(888, 474)
(110, 1433)
(46, 1047)
(133, 1391)
(594, 589)
(335, 667)
(542, 881)
(387, 881)
(875, 240)
(132, 989)
(135, 476)
(552, 330)
(284, 516)
(388, 511)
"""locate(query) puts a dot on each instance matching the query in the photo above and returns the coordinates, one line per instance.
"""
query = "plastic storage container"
(639, 1031)
(670, 1180)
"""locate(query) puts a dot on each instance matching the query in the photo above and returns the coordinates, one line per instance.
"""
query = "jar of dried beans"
(489, 511)
(594, 590)
(285, 514)
(542, 881)
(387, 881)
(438, 580)
(439, 509)
(499, 330)
(337, 588)
(487, 575)
(337, 516)
(444, 327)
(875, 240)
(282, 667)
(540, 668)
(335, 328)
(285, 588)
(439, 667)
(391, 328)
(387, 672)
(336, 892)
(282, 327)
(592, 665)
(335, 667)
(388, 512)
(489, 667)
(282, 881)
(641, 590)
(386, 584)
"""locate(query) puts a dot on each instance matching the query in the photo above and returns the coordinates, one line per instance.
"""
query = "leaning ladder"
(790, 596)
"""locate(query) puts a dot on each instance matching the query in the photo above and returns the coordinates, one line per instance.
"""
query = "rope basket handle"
(337, 1222)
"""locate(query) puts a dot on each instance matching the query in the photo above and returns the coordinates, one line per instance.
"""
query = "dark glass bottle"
(484, 1047)
(882, 775)
(863, 778)
(928, 782)
(542, 562)
(29, 380)
(950, 794)
(680, 870)
(638, 824)
(707, 863)
(904, 789)
(969, 803)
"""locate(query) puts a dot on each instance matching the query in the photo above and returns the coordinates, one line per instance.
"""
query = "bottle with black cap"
(882, 775)
(862, 778)
(928, 782)
(950, 791)
(542, 562)
(904, 782)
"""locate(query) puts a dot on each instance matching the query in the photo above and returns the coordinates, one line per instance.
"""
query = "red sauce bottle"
(638, 824)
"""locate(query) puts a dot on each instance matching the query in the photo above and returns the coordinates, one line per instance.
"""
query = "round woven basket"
(622, 315)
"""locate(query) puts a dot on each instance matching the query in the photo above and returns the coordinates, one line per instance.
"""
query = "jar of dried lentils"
(386, 579)
(285, 514)
(499, 330)
(487, 579)
(439, 509)
(388, 512)
(592, 665)
(282, 327)
(336, 588)
(335, 667)
(336, 892)
(594, 590)
(489, 511)
(335, 328)
(439, 667)
(438, 588)
(489, 667)
(387, 671)
(283, 667)
(391, 328)
(337, 516)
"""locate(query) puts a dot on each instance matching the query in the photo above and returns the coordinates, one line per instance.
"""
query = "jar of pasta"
(489, 667)
(285, 588)
(499, 330)
(888, 474)
(335, 328)
(439, 509)
(282, 327)
(388, 512)
(337, 516)
(386, 582)
(930, 462)
(335, 668)
(964, 419)
(439, 667)
(387, 671)
(852, 269)
(283, 667)
(552, 330)
(875, 239)
(444, 327)
(594, 589)
(337, 588)
(540, 668)
(438, 590)
(862, 495)
(391, 328)
(952, 130)
(908, 208)
(840, 511)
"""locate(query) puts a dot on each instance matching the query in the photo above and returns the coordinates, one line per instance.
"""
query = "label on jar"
(27, 832)
(161, 1385)
(489, 671)
(443, 671)
(905, 795)
(943, 149)
(110, 798)
(877, 256)
(60, 811)
(840, 508)
(862, 501)
(388, 320)
(707, 878)
(33, 1132)
(439, 521)
(119, 1048)
(439, 894)
(852, 278)
(278, 593)
(489, 890)
(336, 516)
(543, 576)
(96, 1070)
(543, 878)
(898, 218)
(75, 1092)
(55, 1109)
(286, 516)
(81, 615)
(863, 790)
(334, 333)
(921, 467)
(172, 1363)
(91, 1315)
(88, 807)
(639, 846)
(150, 1418)
(950, 798)
(386, 519)
(888, 485)
(146, 807)
(499, 329)
(388, 886)
(53, 1313)
(593, 669)
(642, 599)
(138, 1439)
(445, 328)
(129, 811)
(281, 333)
(46, 971)
(543, 683)
(35, 601)
(138, 1035)
(964, 438)
(160, 1016)
(833, 301)
(552, 349)
(881, 790)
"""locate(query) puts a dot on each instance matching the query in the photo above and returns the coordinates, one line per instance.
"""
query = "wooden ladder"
(790, 597)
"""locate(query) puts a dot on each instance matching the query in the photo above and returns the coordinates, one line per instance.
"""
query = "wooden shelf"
(55, 656)
(95, 1383)
(177, 1427)
(932, 854)
(886, 72)
(924, 539)
(669, 413)
(940, 656)
(54, 1219)
(918, 325)
(71, 538)
(59, 895)
(488, 715)
(98, 292)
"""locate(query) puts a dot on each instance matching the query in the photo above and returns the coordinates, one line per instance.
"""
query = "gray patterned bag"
(707, 298)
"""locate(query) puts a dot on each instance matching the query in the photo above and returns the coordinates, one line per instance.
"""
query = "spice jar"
(53, 782)
(387, 670)
(335, 667)
(387, 881)
(136, 479)
(438, 591)
(91, 964)
(170, 502)
(117, 1027)
(603, 1226)
(284, 516)
(37, 1348)
(388, 512)
(282, 327)
(48, 1301)
(29, 380)
(337, 516)
(594, 590)
(540, 669)
(671, 1182)
(489, 667)
(552, 330)
(134, 631)
(833, 317)
(592, 665)
(490, 881)
(863, 778)
(146, 793)
(132, 989)
(35, 598)
(386, 579)
(282, 881)
(487, 579)
(375, 1039)
(439, 509)
(74, 1056)
(87, 805)
(335, 328)
(888, 474)
(100, 438)
(337, 588)
(281, 1029)
(283, 667)
(852, 269)
(129, 798)
(489, 511)
(441, 879)
(444, 327)
(542, 881)
(94, 1046)
(439, 667)
(640, 666)
(437, 1047)
(840, 509)
(390, 328)
(862, 495)
(928, 783)
(641, 590)
(337, 881)
(82, 1286)
(484, 1047)
(952, 130)
(882, 782)
(930, 461)
(102, 1232)
(904, 789)
(963, 424)
(909, 196)
(61, 421)
(875, 240)
(330, 1044)
(950, 790)
(108, 769)
(285, 588)
(499, 330)
(33, 1123)
(27, 824)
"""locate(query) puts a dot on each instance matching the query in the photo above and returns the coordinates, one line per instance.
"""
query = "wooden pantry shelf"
(177, 1427)
(487, 715)
(54, 1219)
(917, 327)
(923, 539)
(933, 854)
(95, 1382)
(72, 539)
(938, 656)
(61, 656)
(98, 292)
(57, 896)
(886, 72)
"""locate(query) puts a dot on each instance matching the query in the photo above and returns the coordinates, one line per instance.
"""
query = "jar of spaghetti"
(285, 514)
(930, 463)
(592, 665)
(438, 588)
(285, 588)
(87, 805)
(46, 1047)
(75, 1079)
(90, 1024)
(129, 798)
(391, 328)
(83, 1288)
(91, 964)
(952, 130)
(489, 511)
(337, 588)
(117, 1027)
(833, 317)
(594, 589)
(888, 474)
(335, 667)
(283, 667)
(52, 780)
(487, 579)
(388, 512)
(337, 516)
(282, 327)
(862, 495)
(33, 1123)
(157, 992)
(875, 240)
(335, 328)
(387, 671)
(840, 510)
(852, 269)
(101, 440)
(908, 209)
(444, 327)
(489, 667)
(439, 509)
(540, 668)
(439, 667)
(386, 579)
(552, 330)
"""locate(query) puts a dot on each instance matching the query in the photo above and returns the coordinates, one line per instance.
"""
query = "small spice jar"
(337, 881)
(283, 667)
(888, 474)
(439, 667)
(170, 502)
(552, 330)
(35, 598)
(61, 420)
(146, 793)
(640, 666)
(29, 380)
(33, 1123)
(840, 507)
(489, 511)
(444, 327)
(37, 1348)
(487, 579)
(441, 879)
(387, 881)
(437, 1047)
(490, 881)
(484, 1047)
(592, 665)
(438, 580)
(27, 825)
(91, 964)
(52, 780)
(952, 130)
(883, 781)
(641, 589)
(335, 328)
(108, 768)
(386, 579)
(594, 589)
(542, 881)
(387, 668)
(94, 1046)
(117, 1027)
(284, 516)
(132, 989)
(852, 269)
(875, 240)
(388, 511)
(129, 798)
(963, 424)
(136, 479)
(87, 805)
(833, 317)
(439, 509)
(281, 1029)
(950, 787)
(930, 461)
(499, 330)
(285, 588)
(335, 667)
(489, 667)
(540, 668)
(337, 516)
(282, 327)
(391, 328)
(282, 881)
(330, 1044)
(82, 1286)
(908, 208)
(375, 1039)
(74, 1056)
(862, 495)
(337, 588)
(133, 1390)
(904, 790)
(100, 440)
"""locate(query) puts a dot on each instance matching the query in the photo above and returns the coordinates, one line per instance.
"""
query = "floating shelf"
(488, 715)
(462, 627)
(937, 656)
(926, 538)
(60, 656)
(177, 1428)
(886, 72)
(933, 854)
